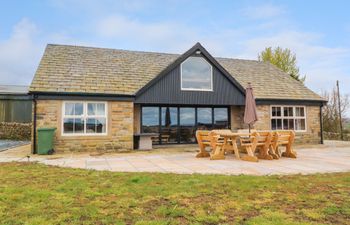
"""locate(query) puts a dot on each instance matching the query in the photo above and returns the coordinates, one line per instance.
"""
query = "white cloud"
(322, 65)
(19, 54)
(146, 36)
(266, 11)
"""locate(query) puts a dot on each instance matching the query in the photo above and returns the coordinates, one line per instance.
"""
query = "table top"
(232, 134)
(146, 134)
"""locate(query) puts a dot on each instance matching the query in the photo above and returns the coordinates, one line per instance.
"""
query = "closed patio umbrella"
(250, 114)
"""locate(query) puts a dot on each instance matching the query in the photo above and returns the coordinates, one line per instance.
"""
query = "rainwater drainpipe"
(34, 124)
(321, 123)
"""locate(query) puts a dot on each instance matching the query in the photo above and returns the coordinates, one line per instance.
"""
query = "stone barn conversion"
(98, 99)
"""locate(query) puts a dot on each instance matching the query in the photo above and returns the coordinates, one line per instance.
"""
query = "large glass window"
(187, 125)
(179, 124)
(196, 74)
(150, 119)
(220, 118)
(169, 125)
(288, 118)
(204, 118)
(81, 118)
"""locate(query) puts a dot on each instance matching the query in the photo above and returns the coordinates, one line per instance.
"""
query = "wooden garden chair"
(206, 138)
(249, 143)
(283, 138)
(219, 145)
(262, 143)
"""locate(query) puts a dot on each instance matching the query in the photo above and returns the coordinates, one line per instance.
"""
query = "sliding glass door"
(169, 131)
(177, 124)
(187, 125)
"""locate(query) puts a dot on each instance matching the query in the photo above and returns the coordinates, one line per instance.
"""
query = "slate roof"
(75, 69)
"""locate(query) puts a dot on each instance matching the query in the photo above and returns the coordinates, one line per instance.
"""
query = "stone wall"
(137, 117)
(237, 114)
(15, 131)
(312, 134)
(119, 135)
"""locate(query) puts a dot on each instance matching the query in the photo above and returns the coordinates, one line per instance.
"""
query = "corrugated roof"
(66, 68)
(13, 89)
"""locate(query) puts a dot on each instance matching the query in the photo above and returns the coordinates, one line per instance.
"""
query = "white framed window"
(288, 118)
(84, 118)
(196, 74)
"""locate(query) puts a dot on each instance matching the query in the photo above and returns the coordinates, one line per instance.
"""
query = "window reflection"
(196, 74)
(169, 125)
(150, 120)
(204, 118)
(187, 125)
(220, 118)
(178, 124)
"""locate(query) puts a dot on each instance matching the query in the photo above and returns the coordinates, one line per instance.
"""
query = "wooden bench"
(283, 138)
(262, 142)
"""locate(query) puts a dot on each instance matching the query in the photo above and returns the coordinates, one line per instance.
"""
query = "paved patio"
(331, 157)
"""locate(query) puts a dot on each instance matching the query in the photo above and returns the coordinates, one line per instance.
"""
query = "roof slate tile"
(110, 71)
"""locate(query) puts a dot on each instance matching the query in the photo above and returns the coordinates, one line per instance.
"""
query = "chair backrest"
(262, 136)
(283, 137)
(203, 135)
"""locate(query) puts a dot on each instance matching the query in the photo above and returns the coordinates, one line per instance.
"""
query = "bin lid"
(47, 129)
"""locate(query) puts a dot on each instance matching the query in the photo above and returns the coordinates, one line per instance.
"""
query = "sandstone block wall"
(119, 135)
(312, 134)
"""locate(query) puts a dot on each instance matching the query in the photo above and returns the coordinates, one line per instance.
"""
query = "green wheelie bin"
(45, 141)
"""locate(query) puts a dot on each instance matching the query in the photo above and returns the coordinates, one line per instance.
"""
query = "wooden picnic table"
(230, 144)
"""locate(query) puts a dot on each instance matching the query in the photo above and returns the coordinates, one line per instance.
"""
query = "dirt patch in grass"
(38, 194)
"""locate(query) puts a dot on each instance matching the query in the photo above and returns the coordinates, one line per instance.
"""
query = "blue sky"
(317, 31)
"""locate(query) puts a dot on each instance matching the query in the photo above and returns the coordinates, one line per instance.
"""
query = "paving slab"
(332, 157)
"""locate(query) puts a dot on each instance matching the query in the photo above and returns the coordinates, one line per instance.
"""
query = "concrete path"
(322, 159)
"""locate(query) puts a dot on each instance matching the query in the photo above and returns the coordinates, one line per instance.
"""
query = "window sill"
(85, 136)
(191, 89)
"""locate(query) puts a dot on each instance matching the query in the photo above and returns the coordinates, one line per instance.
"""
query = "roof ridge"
(146, 52)
(113, 49)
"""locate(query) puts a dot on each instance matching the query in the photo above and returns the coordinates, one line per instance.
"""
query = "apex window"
(84, 118)
(288, 118)
(196, 74)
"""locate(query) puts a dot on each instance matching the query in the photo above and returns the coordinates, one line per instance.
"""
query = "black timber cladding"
(167, 90)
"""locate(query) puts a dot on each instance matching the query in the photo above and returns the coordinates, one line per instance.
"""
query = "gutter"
(269, 101)
(34, 124)
(81, 96)
(321, 124)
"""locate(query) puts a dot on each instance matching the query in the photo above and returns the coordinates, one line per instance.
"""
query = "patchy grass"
(39, 194)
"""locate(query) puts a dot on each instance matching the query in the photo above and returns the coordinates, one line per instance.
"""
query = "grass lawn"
(39, 194)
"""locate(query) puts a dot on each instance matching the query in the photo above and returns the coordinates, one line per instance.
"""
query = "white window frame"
(85, 116)
(197, 89)
(294, 117)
